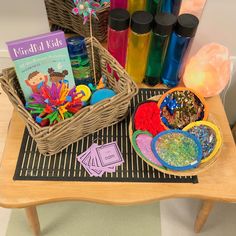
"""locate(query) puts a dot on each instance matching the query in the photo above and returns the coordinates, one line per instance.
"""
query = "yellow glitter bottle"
(136, 5)
(138, 45)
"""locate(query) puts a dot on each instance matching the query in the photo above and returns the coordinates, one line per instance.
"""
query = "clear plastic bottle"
(171, 6)
(178, 48)
(79, 60)
(118, 34)
(138, 44)
(162, 29)
(119, 4)
(136, 5)
(153, 6)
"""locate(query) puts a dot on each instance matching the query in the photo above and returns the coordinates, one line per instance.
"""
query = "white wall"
(218, 24)
(19, 19)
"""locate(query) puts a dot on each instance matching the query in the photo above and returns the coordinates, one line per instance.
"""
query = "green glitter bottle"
(162, 28)
(153, 6)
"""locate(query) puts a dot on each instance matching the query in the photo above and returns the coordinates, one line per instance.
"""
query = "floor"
(177, 216)
(88, 219)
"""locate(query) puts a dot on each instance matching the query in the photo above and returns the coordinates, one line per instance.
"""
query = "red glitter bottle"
(118, 34)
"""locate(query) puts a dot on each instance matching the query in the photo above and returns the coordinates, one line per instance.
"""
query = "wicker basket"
(53, 139)
(60, 13)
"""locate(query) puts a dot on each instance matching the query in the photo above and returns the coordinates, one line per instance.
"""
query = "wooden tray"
(202, 167)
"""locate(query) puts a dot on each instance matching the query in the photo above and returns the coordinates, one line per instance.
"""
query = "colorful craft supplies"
(99, 159)
(51, 105)
(177, 150)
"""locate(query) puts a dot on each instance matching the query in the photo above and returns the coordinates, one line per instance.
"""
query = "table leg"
(33, 220)
(203, 215)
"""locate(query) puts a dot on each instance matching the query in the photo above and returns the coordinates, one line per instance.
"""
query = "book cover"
(41, 59)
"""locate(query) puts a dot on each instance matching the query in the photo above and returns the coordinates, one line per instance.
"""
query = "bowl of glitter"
(209, 136)
(177, 150)
(180, 107)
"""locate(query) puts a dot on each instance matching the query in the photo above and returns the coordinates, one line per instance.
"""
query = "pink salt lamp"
(208, 72)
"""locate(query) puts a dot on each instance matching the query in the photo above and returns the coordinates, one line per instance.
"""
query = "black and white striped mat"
(63, 166)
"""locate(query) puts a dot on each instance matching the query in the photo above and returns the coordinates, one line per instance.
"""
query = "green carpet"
(89, 219)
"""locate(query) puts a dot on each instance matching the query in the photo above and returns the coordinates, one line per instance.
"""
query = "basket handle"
(92, 52)
(1, 77)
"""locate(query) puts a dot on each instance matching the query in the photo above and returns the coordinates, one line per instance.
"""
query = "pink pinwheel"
(85, 8)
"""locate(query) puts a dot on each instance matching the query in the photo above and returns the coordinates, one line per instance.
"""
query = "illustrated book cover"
(41, 59)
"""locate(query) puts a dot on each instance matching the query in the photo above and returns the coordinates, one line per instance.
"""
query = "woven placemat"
(63, 166)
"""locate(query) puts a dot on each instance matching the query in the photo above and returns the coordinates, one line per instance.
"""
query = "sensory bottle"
(118, 22)
(178, 48)
(139, 39)
(136, 5)
(171, 6)
(162, 29)
(119, 4)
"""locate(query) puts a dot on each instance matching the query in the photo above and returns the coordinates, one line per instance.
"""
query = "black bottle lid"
(141, 22)
(164, 23)
(119, 19)
(186, 25)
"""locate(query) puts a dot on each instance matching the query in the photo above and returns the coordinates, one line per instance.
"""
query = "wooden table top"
(217, 183)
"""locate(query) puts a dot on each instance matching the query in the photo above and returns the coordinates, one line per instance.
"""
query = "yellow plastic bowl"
(217, 132)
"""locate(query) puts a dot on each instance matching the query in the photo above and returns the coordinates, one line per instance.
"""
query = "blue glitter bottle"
(178, 48)
(171, 6)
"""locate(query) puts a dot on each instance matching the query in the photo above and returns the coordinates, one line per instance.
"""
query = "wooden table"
(218, 183)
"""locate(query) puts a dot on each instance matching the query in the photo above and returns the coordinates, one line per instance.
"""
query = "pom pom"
(147, 118)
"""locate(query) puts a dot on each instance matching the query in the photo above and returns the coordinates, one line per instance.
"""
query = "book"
(41, 59)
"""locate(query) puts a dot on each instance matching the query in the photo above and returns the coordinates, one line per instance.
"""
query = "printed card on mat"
(41, 59)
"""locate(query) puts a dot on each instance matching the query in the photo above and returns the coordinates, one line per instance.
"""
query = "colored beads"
(209, 136)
